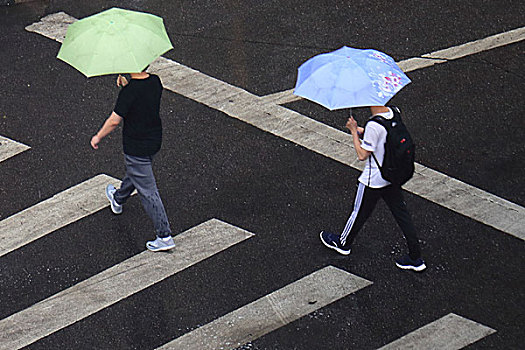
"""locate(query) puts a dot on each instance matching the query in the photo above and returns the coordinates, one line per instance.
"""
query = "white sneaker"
(115, 207)
(165, 243)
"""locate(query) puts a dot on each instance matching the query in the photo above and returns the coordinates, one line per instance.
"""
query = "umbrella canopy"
(350, 77)
(114, 41)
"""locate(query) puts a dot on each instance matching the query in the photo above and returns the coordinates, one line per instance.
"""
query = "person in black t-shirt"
(138, 104)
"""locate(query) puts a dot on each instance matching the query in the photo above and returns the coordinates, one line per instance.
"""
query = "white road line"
(281, 97)
(58, 211)
(430, 59)
(10, 148)
(450, 332)
(53, 26)
(318, 137)
(272, 311)
(473, 47)
(116, 283)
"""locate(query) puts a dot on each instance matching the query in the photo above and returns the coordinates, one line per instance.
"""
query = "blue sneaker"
(406, 263)
(115, 207)
(332, 241)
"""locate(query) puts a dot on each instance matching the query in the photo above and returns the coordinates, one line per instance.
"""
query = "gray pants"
(139, 176)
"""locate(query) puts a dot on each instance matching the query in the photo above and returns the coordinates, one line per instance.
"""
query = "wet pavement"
(465, 116)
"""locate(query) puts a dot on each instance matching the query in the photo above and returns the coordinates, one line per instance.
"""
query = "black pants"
(365, 202)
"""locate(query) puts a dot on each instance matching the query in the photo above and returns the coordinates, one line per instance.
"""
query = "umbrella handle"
(121, 81)
(350, 115)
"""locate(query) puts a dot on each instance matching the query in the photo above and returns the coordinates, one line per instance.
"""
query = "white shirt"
(374, 141)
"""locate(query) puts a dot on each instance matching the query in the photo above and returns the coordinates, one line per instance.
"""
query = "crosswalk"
(450, 332)
(245, 324)
(141, 271)
(272, 311)
(268, 115)
(116, 283)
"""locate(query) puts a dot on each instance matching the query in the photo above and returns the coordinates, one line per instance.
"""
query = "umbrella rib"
(81, 42)
(154, 34)
(131, 54)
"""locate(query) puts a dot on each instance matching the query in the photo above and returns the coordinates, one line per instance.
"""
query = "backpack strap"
(397, 113)
(381, 121)
(374, 156)
(385, 123)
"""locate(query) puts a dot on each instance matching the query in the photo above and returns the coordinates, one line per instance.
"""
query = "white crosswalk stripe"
(116, 283)
(10, 148)
(58, 211)
(272, 311)
(450, 332)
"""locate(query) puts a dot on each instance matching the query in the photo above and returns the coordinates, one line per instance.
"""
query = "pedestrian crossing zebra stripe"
(116, 283)
(272, 311)
(54, 213)
(450, 332)
(427, 183)
(10, 148)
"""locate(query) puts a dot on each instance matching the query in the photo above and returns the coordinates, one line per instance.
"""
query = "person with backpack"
(388, 150)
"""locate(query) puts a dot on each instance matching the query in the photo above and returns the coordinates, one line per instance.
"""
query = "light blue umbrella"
(350, 77)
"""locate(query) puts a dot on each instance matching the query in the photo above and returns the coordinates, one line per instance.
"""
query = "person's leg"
(140, 173)
(365, 202)
(393, 197)
(122, 194)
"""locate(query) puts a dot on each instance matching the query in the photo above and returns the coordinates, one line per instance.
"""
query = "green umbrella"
(114, 41)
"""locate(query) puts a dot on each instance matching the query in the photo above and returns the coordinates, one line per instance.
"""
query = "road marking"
(10, 148)
(434, 186)
(53, 26)
(272, 311)
(473, 47)
(450, 332)
(56, 212)
(430, 59)
(116, 283)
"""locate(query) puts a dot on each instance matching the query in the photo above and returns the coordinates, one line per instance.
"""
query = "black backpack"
(398, 164)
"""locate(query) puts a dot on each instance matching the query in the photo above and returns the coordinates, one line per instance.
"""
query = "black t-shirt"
(138, 103)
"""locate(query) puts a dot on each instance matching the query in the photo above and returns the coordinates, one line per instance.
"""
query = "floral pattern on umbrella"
(387, 84)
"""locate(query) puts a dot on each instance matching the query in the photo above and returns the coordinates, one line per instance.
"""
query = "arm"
(109, 125)
(351, 125)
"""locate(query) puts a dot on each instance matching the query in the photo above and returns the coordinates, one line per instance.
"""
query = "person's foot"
(159, 244)
(332, 241)
(115, 207)
(406, 263)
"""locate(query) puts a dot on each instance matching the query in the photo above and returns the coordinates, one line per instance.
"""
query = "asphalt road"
(465, 115)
